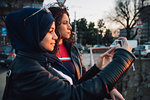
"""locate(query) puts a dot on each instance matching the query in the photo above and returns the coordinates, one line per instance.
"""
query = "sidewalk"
(86, 59)
(2, 83)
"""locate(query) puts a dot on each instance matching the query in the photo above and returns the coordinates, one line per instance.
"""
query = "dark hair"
(57, 13)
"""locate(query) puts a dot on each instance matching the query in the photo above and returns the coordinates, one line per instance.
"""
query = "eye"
(64, 22)
(51, 31)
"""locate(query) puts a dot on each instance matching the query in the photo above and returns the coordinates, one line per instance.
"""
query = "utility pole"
(75, 28)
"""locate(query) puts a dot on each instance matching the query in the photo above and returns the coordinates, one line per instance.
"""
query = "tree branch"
(120, 22)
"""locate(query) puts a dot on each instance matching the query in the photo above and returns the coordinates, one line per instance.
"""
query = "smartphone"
(120, 42)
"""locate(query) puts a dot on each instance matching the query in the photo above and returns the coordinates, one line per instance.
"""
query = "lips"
(53, 44)
(69, 32)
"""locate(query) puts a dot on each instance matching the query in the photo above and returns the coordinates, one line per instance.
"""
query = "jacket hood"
(27, 35)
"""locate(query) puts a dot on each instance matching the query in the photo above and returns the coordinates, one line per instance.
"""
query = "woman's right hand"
(105, 58)
(125, 44)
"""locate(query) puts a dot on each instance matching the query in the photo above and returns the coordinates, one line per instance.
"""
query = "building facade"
(7, 6)
(145, 17)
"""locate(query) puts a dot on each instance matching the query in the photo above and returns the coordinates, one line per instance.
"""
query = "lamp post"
(75, 28)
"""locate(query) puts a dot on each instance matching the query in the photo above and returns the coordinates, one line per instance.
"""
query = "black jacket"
(33, 78)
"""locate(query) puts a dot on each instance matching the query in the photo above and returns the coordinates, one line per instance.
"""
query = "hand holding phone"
(125, 44)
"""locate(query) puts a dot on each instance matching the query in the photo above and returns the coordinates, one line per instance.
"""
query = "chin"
(51, 49)
(68, 37)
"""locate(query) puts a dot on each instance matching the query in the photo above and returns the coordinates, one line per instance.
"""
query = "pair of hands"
(106, 58)
(102, 62)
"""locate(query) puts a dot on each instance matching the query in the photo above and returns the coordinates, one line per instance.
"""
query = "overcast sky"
(92, 10)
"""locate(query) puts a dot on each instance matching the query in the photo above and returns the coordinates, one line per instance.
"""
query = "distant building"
(7, 6)
(145, 17)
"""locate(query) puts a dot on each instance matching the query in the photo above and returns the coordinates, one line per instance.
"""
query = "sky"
(92, 10)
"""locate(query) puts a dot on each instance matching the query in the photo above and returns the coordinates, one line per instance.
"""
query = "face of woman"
(49, 40)
(65, 28)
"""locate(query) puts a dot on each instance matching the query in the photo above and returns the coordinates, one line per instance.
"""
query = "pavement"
(86, 60)
(3, 72)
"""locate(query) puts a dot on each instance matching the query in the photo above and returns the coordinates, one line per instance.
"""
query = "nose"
(69, 27)
(55, 37)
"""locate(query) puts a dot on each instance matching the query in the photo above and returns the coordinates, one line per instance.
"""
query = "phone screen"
(119, 42)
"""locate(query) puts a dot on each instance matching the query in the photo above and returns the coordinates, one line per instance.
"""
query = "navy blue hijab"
(27, 35)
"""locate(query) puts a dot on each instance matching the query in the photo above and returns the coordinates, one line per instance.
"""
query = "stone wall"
(136, 84)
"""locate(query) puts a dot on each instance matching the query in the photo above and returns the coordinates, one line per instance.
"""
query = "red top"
(63, 55)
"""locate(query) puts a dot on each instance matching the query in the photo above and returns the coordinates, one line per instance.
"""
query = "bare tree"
(126, 13)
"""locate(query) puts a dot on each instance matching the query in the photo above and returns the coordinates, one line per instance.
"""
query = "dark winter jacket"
(33, 78)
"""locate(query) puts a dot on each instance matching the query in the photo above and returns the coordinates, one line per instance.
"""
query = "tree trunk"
(128, 30)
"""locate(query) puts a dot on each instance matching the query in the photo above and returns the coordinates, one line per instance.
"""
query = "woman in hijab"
(36, 74)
